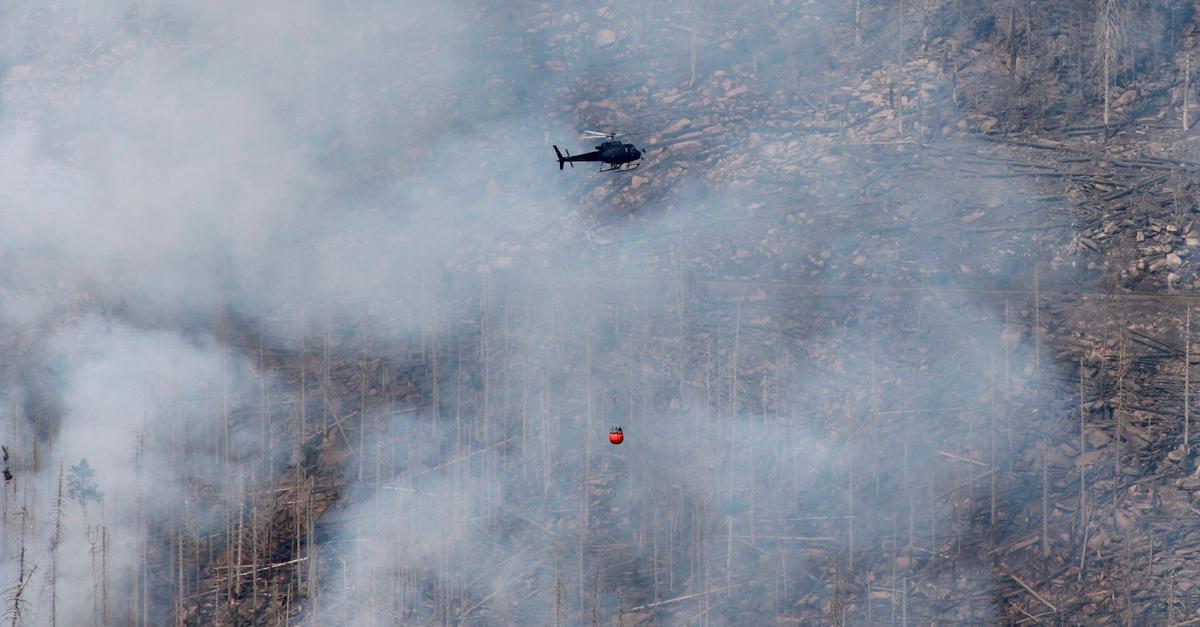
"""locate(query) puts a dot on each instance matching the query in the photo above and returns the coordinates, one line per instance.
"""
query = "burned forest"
(302, 324)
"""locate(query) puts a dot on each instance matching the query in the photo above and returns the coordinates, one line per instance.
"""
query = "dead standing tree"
(1108, 35)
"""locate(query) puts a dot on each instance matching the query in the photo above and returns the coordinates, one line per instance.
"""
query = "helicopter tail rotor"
(561, 159)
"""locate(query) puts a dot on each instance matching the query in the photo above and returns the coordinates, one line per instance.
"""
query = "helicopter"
(618, 156)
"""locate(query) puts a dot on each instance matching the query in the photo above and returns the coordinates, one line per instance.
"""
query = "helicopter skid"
(624, 167)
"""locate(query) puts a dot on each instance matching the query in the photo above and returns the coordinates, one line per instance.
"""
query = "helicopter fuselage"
(615, 153)
(611, 152)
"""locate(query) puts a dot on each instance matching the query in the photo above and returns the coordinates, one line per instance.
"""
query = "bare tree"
(1110, 27)
(1187, 87)
(55, 540)
(14, 602)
